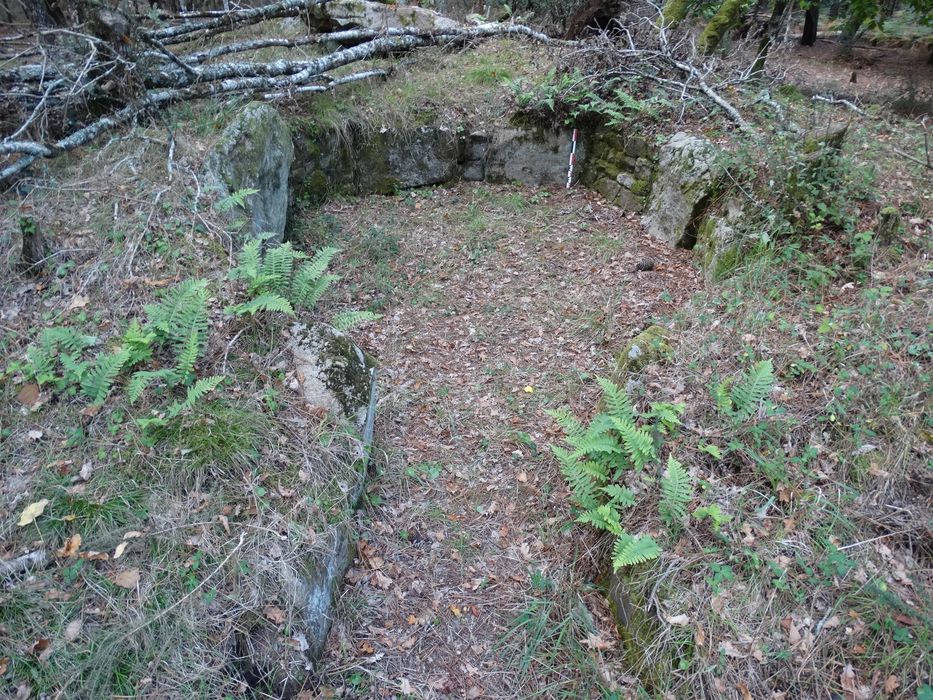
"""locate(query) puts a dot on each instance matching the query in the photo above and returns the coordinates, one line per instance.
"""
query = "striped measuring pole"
(573, 159)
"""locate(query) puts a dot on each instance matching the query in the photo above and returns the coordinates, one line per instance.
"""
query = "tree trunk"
(34, 252)
(727, 16)
(834, 8)
(772, 29)
(810, 22)
(675, 11)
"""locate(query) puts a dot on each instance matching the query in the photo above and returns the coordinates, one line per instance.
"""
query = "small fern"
(181, 312)
(138, 342)
(195, 393)
(98, 380)
(618, 404)
(676, 493)
(269, 301)
(140, 381)
(350, 319)
(235, 199)
(741, 400)
(630, 551)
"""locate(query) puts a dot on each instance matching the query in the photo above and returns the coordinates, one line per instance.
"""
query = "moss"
(651, 345)
(675, 11)
(347, 380)
(638, 629)
(726, 17)
(641, 188)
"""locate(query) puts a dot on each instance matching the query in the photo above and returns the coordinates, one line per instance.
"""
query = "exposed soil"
(869, 74)
(495, 310)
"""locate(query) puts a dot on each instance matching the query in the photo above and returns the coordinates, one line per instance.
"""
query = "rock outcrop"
(255, 152)
(686, 179)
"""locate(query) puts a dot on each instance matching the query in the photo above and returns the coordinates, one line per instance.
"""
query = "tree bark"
(772, 30)
(727, 16)
(810, 23)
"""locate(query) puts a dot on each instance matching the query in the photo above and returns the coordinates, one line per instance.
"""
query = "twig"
(840, 101)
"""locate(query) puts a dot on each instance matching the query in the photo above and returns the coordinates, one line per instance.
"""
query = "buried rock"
(648, 346)
(283, 645)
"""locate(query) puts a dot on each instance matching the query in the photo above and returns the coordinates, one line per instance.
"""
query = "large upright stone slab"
(256, 152)
(535, 156)
(685, 180)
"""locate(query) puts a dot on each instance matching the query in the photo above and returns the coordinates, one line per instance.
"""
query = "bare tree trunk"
(770, 35)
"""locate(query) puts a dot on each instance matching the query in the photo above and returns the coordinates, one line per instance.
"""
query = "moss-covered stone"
(651, 345)
(641, 188)
(256, 152)
(627, 591)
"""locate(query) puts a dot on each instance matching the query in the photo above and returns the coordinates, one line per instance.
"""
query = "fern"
(316, 267)
(269, 301)
(195, 393)
(277, 266)
(629, 550)
(181, 312)
(97, 381)
(618, 404)
(583, 486)
(349, 319)
(638, 443)
(140, 381)
(676, 493)
(138, 342)
(188, 355)
(235, 199)
(308, 293)
(250, 260)
(568, 422)
(752, 390)
(620, 495)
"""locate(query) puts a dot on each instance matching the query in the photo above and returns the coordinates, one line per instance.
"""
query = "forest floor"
(498, 303)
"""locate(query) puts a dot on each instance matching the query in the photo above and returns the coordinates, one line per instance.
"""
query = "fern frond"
(248, 262)
(182, 311)
(754, 388)
(620, 495)
(97, 381)
(195, 393)
(583, 486)
(629, 551)
(317, 266)
(140, 381)
(235, 199)
(188, 355)
(60, 338)
(722, 397)
(350, 319)
(264, 302)
(567, 421)
(604, 517)
(618, 404)
(277, 267)
(138, 342)
(676, 493)
(639, 446)
(308, 294)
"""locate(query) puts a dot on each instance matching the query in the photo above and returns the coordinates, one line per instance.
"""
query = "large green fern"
(676, 493)
(349, 319)
(598, 454)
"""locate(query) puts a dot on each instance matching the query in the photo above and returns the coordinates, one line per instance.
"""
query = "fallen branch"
(33, 560)
(840, 101)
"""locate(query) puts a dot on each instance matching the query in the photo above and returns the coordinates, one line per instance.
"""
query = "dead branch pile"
(61, 88)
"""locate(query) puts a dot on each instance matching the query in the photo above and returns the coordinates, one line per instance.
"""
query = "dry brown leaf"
(118, 552)
(73, 630)
(682, 619)
(596, 642)
(743, 689)
(456, 611)
(4, 664)
(42, 649)
(849, 683)
(78, 301)
(35, 434)
(31, 512)
(94, 555)
(28, 395)
(274, 614)
(126, 578)
(404, 687)
(700, 637)
(71, 546)
(891, 684)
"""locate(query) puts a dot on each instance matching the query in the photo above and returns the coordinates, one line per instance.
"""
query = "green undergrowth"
(169, 478)
(801, 565)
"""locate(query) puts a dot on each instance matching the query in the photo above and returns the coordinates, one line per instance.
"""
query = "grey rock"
(474, 166)
(333, 374)
(416, 157)
(255, 151)
(625, 180)
(532, 156)
(719, 246)
(686, 176)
